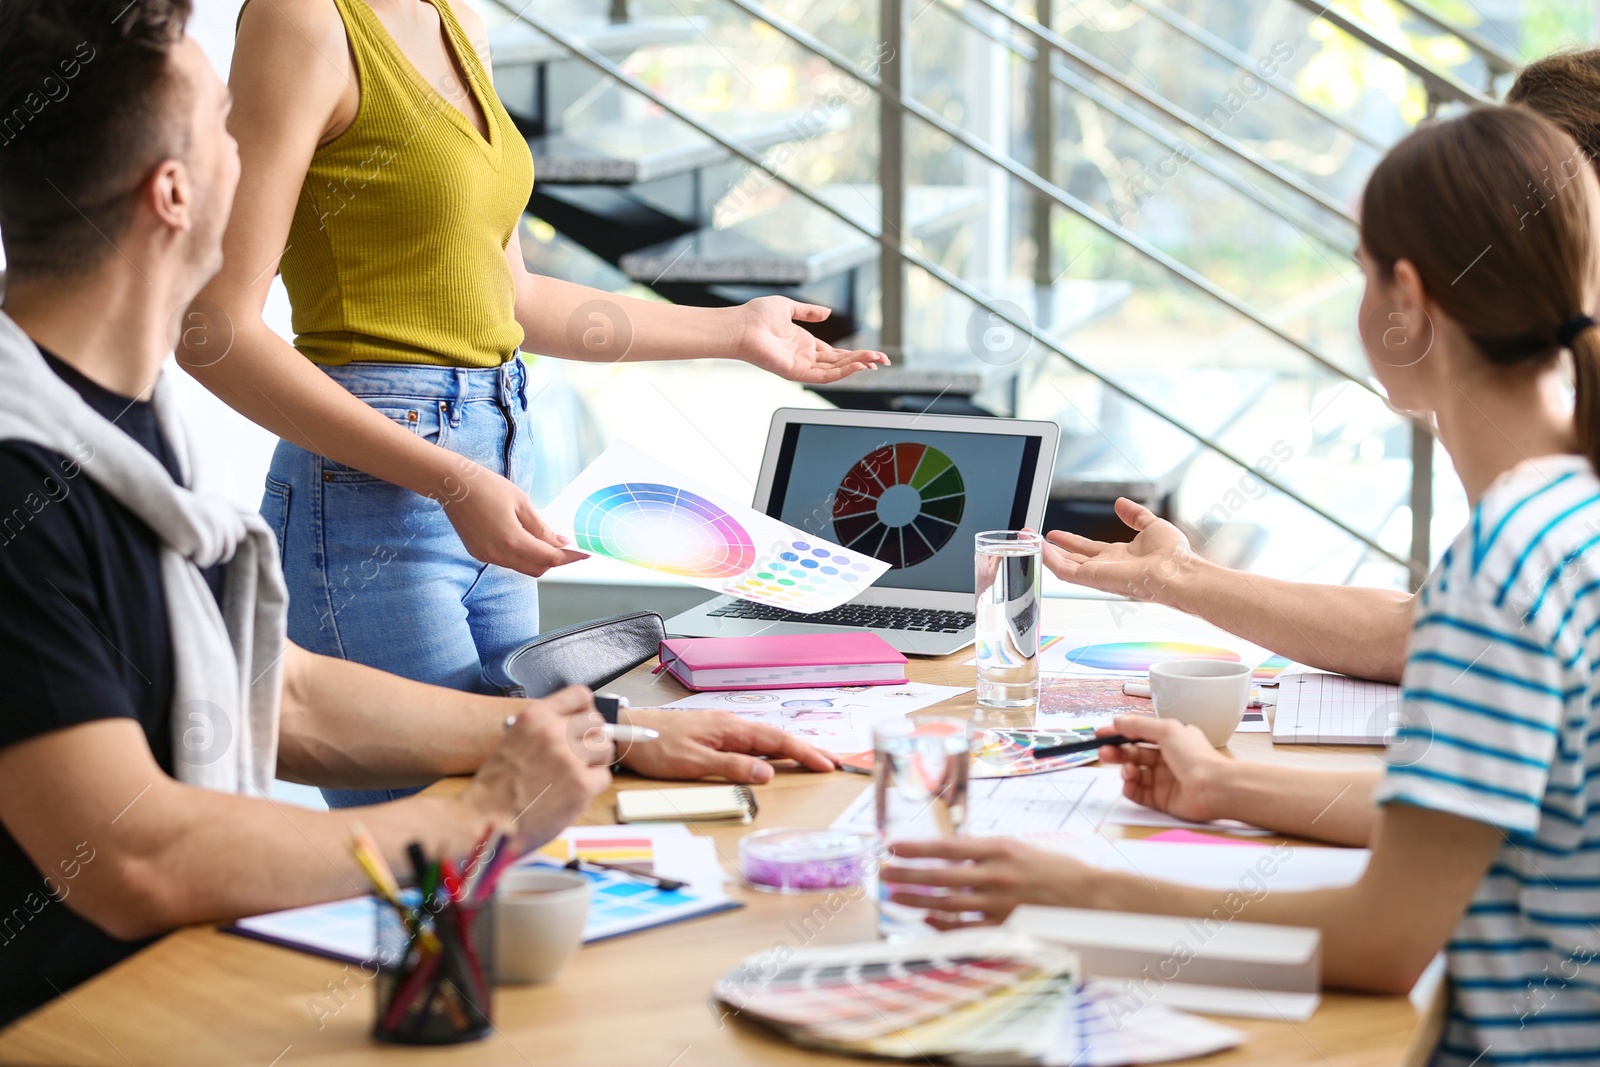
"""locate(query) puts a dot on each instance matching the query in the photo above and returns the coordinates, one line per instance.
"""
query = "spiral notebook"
(701, 803)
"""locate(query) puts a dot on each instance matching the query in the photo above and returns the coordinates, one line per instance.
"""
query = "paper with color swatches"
(631, 507)
(345, 929)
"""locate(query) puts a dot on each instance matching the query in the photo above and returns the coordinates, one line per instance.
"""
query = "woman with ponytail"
(1481, 250)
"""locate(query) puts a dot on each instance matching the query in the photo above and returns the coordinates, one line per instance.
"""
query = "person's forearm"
(349, 726)
(266, 380)
(570, 321)
(1323, 805)
(187, 856)
(1352, 630)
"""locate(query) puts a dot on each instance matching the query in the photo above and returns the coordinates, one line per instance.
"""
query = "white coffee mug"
(539, 917)
(1207, 693)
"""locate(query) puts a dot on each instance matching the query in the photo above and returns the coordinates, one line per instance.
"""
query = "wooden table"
(202, 997)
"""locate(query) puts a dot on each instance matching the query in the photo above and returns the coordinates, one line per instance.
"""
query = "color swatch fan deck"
(632, 508)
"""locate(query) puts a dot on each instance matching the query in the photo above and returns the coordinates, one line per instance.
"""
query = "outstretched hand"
(772, 339)
(700, 744)
(1143, 569)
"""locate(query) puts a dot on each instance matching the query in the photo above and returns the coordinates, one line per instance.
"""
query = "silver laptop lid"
(908, 489)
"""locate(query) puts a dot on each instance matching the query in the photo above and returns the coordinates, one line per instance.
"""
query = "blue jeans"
(376, 573)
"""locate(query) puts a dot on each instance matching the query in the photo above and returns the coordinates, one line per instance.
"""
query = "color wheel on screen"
(1135, 657)
(663, 528)
(900, 503)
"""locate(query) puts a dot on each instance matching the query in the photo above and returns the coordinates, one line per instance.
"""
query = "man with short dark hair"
(149, 697)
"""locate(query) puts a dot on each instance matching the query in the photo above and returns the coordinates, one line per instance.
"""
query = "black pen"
(666, 885)
(1080, 746)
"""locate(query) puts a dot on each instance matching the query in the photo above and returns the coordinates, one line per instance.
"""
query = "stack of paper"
(972, 997)
(1228, 968)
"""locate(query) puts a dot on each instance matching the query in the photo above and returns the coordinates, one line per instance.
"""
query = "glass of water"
(919, 781)
(1007, 638)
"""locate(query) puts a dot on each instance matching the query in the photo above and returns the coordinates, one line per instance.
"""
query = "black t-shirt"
(83, 637)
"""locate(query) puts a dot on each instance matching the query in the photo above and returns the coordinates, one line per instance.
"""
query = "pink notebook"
(783, 661)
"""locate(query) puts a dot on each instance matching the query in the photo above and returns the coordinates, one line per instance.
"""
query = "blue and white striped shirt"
(1499, 694)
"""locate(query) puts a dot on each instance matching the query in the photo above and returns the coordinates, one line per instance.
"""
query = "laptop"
(911, 490)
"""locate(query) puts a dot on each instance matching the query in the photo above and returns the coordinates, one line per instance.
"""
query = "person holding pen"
(1482, 824)
(386, 182)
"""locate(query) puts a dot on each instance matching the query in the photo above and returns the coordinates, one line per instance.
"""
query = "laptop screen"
(912, 498)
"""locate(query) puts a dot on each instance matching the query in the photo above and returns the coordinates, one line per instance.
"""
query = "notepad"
(1330, 709)
(704, 803)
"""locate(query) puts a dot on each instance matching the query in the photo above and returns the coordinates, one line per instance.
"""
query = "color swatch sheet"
(836, 719)
(346, 929)
(621, 904)
(631, 507)
(1001, 752)
(1071, 703)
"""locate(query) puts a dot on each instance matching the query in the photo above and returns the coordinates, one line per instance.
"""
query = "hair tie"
(1571, 327)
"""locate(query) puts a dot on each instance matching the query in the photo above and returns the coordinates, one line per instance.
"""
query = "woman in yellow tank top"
(385, 181)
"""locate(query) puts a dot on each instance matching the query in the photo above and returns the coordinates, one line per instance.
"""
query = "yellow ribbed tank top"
(397, 249)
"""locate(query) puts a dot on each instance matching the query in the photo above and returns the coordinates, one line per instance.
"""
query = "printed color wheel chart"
(1131, 657)
(900, 503)
(663, 528)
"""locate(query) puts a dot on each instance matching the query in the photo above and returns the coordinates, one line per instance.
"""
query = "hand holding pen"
(1166, 765)
(542, 770)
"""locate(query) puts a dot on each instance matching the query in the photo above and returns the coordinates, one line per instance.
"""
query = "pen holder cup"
(434, 968)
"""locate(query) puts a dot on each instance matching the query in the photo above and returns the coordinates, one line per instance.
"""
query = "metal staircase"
(1156, 252)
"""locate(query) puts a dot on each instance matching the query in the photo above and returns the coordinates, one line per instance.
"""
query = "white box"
(1217, 965)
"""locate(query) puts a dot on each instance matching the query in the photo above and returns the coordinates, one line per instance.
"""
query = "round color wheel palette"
(1131, 657)
(900, 503)
(665, 529)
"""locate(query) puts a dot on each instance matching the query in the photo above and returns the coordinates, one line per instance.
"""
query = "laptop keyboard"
(877, 617)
